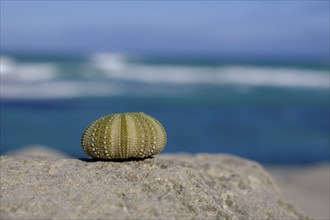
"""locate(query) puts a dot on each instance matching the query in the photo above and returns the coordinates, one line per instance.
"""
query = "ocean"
(272, 112)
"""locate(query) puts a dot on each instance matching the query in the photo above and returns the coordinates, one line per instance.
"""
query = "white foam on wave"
(279, 77)
(229, 75)
(22, 80)
(58, 90)
(40, 80)
(25, 72)
(111, 62)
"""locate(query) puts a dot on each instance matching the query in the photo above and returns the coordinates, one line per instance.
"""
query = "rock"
(37, 150)
(164, 187)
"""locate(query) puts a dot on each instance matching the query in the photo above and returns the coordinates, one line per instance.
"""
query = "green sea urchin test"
(122, 136)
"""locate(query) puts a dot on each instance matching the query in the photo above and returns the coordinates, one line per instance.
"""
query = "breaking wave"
(113, 74)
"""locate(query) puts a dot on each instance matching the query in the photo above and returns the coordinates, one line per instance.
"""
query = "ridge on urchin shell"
(122, 136)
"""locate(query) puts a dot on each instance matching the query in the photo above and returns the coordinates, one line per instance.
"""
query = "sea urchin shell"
(122, 136)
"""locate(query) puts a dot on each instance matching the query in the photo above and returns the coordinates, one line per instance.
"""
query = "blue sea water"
(272, 112)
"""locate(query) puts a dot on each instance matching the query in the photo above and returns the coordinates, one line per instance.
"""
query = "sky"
(247, 28)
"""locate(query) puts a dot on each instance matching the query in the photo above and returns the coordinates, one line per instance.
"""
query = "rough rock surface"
(164, 187)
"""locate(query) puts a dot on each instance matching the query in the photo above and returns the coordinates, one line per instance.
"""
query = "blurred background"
(249, 78)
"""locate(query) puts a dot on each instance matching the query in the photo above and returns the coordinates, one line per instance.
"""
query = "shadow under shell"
(92, 160)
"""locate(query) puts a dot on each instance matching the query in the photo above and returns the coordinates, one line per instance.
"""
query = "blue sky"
(272, 28)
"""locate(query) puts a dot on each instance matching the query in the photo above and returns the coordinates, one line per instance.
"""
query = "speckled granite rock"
(164, 187)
